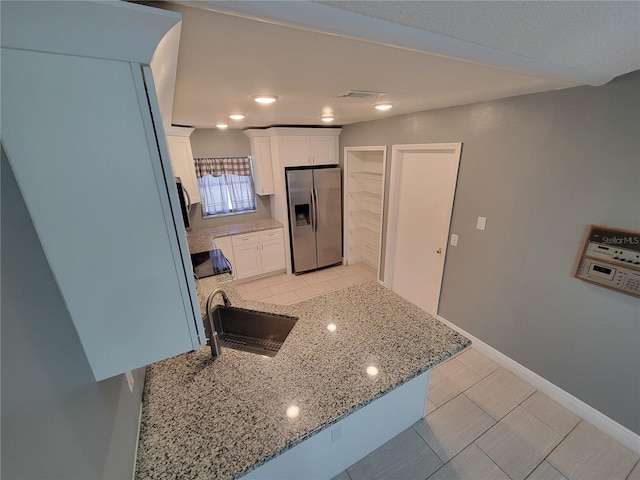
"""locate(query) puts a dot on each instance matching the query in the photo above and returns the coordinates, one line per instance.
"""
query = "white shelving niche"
(364, 180)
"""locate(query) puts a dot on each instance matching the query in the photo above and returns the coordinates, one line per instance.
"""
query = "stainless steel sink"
(250, 330)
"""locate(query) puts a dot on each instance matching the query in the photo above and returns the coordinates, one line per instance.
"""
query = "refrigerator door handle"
(315, 209)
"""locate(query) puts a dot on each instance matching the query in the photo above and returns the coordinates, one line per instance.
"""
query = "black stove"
(207, 264)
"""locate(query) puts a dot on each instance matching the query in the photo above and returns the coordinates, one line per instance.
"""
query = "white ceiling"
(424, 55)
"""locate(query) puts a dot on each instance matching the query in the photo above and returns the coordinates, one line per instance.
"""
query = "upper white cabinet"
(179, 146)
(303, 150)
(262, 166)
(84, 137)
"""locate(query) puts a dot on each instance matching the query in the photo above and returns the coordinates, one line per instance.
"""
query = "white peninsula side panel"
(340, 445)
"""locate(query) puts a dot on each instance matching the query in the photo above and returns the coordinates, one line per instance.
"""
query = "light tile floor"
(481, 421)
(285, 289)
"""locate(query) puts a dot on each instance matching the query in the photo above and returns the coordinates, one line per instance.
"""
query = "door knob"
(439, 251)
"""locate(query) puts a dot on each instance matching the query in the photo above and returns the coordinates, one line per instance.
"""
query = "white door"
(422, 187)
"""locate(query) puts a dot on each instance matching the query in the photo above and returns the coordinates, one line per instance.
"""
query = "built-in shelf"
(364, 169)
(367, 175)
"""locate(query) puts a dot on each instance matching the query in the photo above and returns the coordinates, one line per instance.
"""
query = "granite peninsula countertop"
(206, 418)
(199, 238)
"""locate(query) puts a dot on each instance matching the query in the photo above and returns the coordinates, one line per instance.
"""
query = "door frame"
(395, 175)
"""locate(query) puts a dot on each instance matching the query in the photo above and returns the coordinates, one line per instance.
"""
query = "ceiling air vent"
(359, 94)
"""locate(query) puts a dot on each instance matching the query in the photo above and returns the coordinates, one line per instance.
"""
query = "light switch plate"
(482, 223)
(454, 239)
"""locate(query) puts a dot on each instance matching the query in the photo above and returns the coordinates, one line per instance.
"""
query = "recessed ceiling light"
(328, 118)
(383, 106)
(265, 99)
(222, 126)
(236, 116)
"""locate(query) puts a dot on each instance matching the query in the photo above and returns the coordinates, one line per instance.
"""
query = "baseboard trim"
(619, 432)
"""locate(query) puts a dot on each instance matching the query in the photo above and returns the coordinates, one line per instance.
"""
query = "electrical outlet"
(129, 377)
(336, 433)
(482, 223)
(454, 240)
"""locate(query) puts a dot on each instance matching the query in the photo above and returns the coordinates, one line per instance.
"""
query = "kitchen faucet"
(213, 334)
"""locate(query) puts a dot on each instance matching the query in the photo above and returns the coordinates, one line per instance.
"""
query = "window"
(226, 185)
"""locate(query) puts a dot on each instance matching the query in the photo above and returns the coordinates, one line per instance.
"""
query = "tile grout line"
(429, 447)
(519, 404)
(489, 456)
(632, 469)
(474, 440)
(496, 423)
(560, 443)
(551, 427)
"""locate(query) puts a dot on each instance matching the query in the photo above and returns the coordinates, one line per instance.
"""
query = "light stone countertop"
(206, 418)
(200, 238)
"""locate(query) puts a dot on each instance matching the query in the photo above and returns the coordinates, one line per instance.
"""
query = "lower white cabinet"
(248, 261)
(256, 253)
(272, 250)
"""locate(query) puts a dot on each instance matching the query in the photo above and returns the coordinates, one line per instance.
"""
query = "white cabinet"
(247, 260)
(262, 168)
(257, 253)
(179, 146)
(79, 127)
(302, 150)
(246, 254)
(272, 250)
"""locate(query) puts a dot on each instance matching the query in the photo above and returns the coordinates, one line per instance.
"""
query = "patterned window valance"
(216, 166)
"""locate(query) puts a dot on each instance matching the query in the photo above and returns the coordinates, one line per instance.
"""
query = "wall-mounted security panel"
(611, 258)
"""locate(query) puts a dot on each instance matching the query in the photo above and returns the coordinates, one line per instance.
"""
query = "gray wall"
(541, 168)
(220, 143)
(57, 421)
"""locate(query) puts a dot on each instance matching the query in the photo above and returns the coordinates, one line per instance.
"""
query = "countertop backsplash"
(200, 238)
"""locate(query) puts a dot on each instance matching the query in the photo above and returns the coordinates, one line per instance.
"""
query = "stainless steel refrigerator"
(315, 217)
